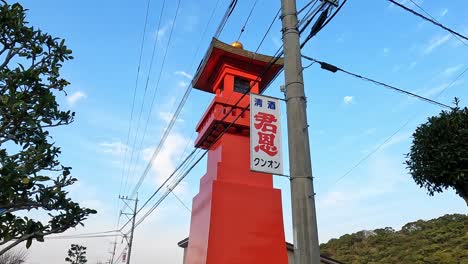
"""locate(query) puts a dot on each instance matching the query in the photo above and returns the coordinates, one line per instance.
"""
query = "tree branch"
(32, 235)
(9, 56)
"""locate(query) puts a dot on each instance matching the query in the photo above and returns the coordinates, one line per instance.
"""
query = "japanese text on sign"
(265, 135)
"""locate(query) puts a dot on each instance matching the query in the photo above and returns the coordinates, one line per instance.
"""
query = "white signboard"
(265, 135)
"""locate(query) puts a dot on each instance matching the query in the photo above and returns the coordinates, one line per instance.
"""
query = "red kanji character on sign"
(266, 142)
(264, 122)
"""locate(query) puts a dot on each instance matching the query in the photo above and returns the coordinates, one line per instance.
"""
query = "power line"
(156, 41)
(134, 94)
(225, 18)
(422, 9)
(180, 200)
(307, 5)
(272, 62)
(247, 19)
(333, 68)
(321, 22)
(206, 151)
(83, 237)
(161, 186)
(429, 19)
(170, 125)
(155, 91)
(366, 157)
(88, 234)
(181, 103)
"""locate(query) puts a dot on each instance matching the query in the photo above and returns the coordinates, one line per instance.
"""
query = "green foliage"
(31, 175)
(76, 254)
(439, 155)
(439, 241)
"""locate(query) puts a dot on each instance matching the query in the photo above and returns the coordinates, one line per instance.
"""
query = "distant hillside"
(438, 241)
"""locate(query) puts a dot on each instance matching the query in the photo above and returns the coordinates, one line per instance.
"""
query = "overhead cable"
(225, 18)
(247, 20)
(422, 9)
(134, 94)
(140, 181)
(333, 68)
(429, 19)
(381, 145)
(277, 55)
(156, 41)
(180, 106)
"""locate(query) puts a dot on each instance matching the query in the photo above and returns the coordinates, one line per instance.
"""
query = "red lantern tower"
(237, 214)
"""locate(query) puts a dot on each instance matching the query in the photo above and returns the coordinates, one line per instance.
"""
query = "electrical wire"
(160, 187)
(134, 94)
(366, 157)
(88, 234)
(428, 19)
(309, 16)
(268, 30)
(247, 20)
(180, 200)
(272, 62)
(306, 5)
(333, 68)
(318, 26)
(82, 237)
(225, 18)
(135, 190)
(422, 9)
(173, 119)
(181, 104)
(156, 41)
(277, 55)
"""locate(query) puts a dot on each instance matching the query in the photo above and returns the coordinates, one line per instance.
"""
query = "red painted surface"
(236, 216)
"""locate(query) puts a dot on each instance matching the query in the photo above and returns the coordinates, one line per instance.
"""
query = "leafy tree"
(437, 241)
(439, 155)
(31, 175)
(76, 254)
(14, 257)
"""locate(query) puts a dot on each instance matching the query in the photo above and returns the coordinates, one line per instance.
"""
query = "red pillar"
(237, 214)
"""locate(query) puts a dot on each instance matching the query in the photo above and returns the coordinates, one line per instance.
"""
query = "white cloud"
(115, 148)
(167, 117)
(182, 84)
(75, 97)
(443, 12)
(439, 88)
(168, 156)
(397, 139)
(348, 100)
(162, 31)
(452, 70)
(184, 74)
(436, 42)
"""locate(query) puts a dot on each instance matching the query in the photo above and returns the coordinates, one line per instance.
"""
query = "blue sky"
(348, 117)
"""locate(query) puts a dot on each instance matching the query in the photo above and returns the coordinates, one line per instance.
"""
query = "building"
(290, 247)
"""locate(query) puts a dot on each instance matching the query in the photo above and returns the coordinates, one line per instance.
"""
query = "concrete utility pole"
(306, 246)
(133, 214)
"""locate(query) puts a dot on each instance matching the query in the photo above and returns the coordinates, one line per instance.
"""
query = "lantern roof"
(220, 54)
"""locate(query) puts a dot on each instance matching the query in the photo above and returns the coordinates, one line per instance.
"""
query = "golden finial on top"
(237, 44)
